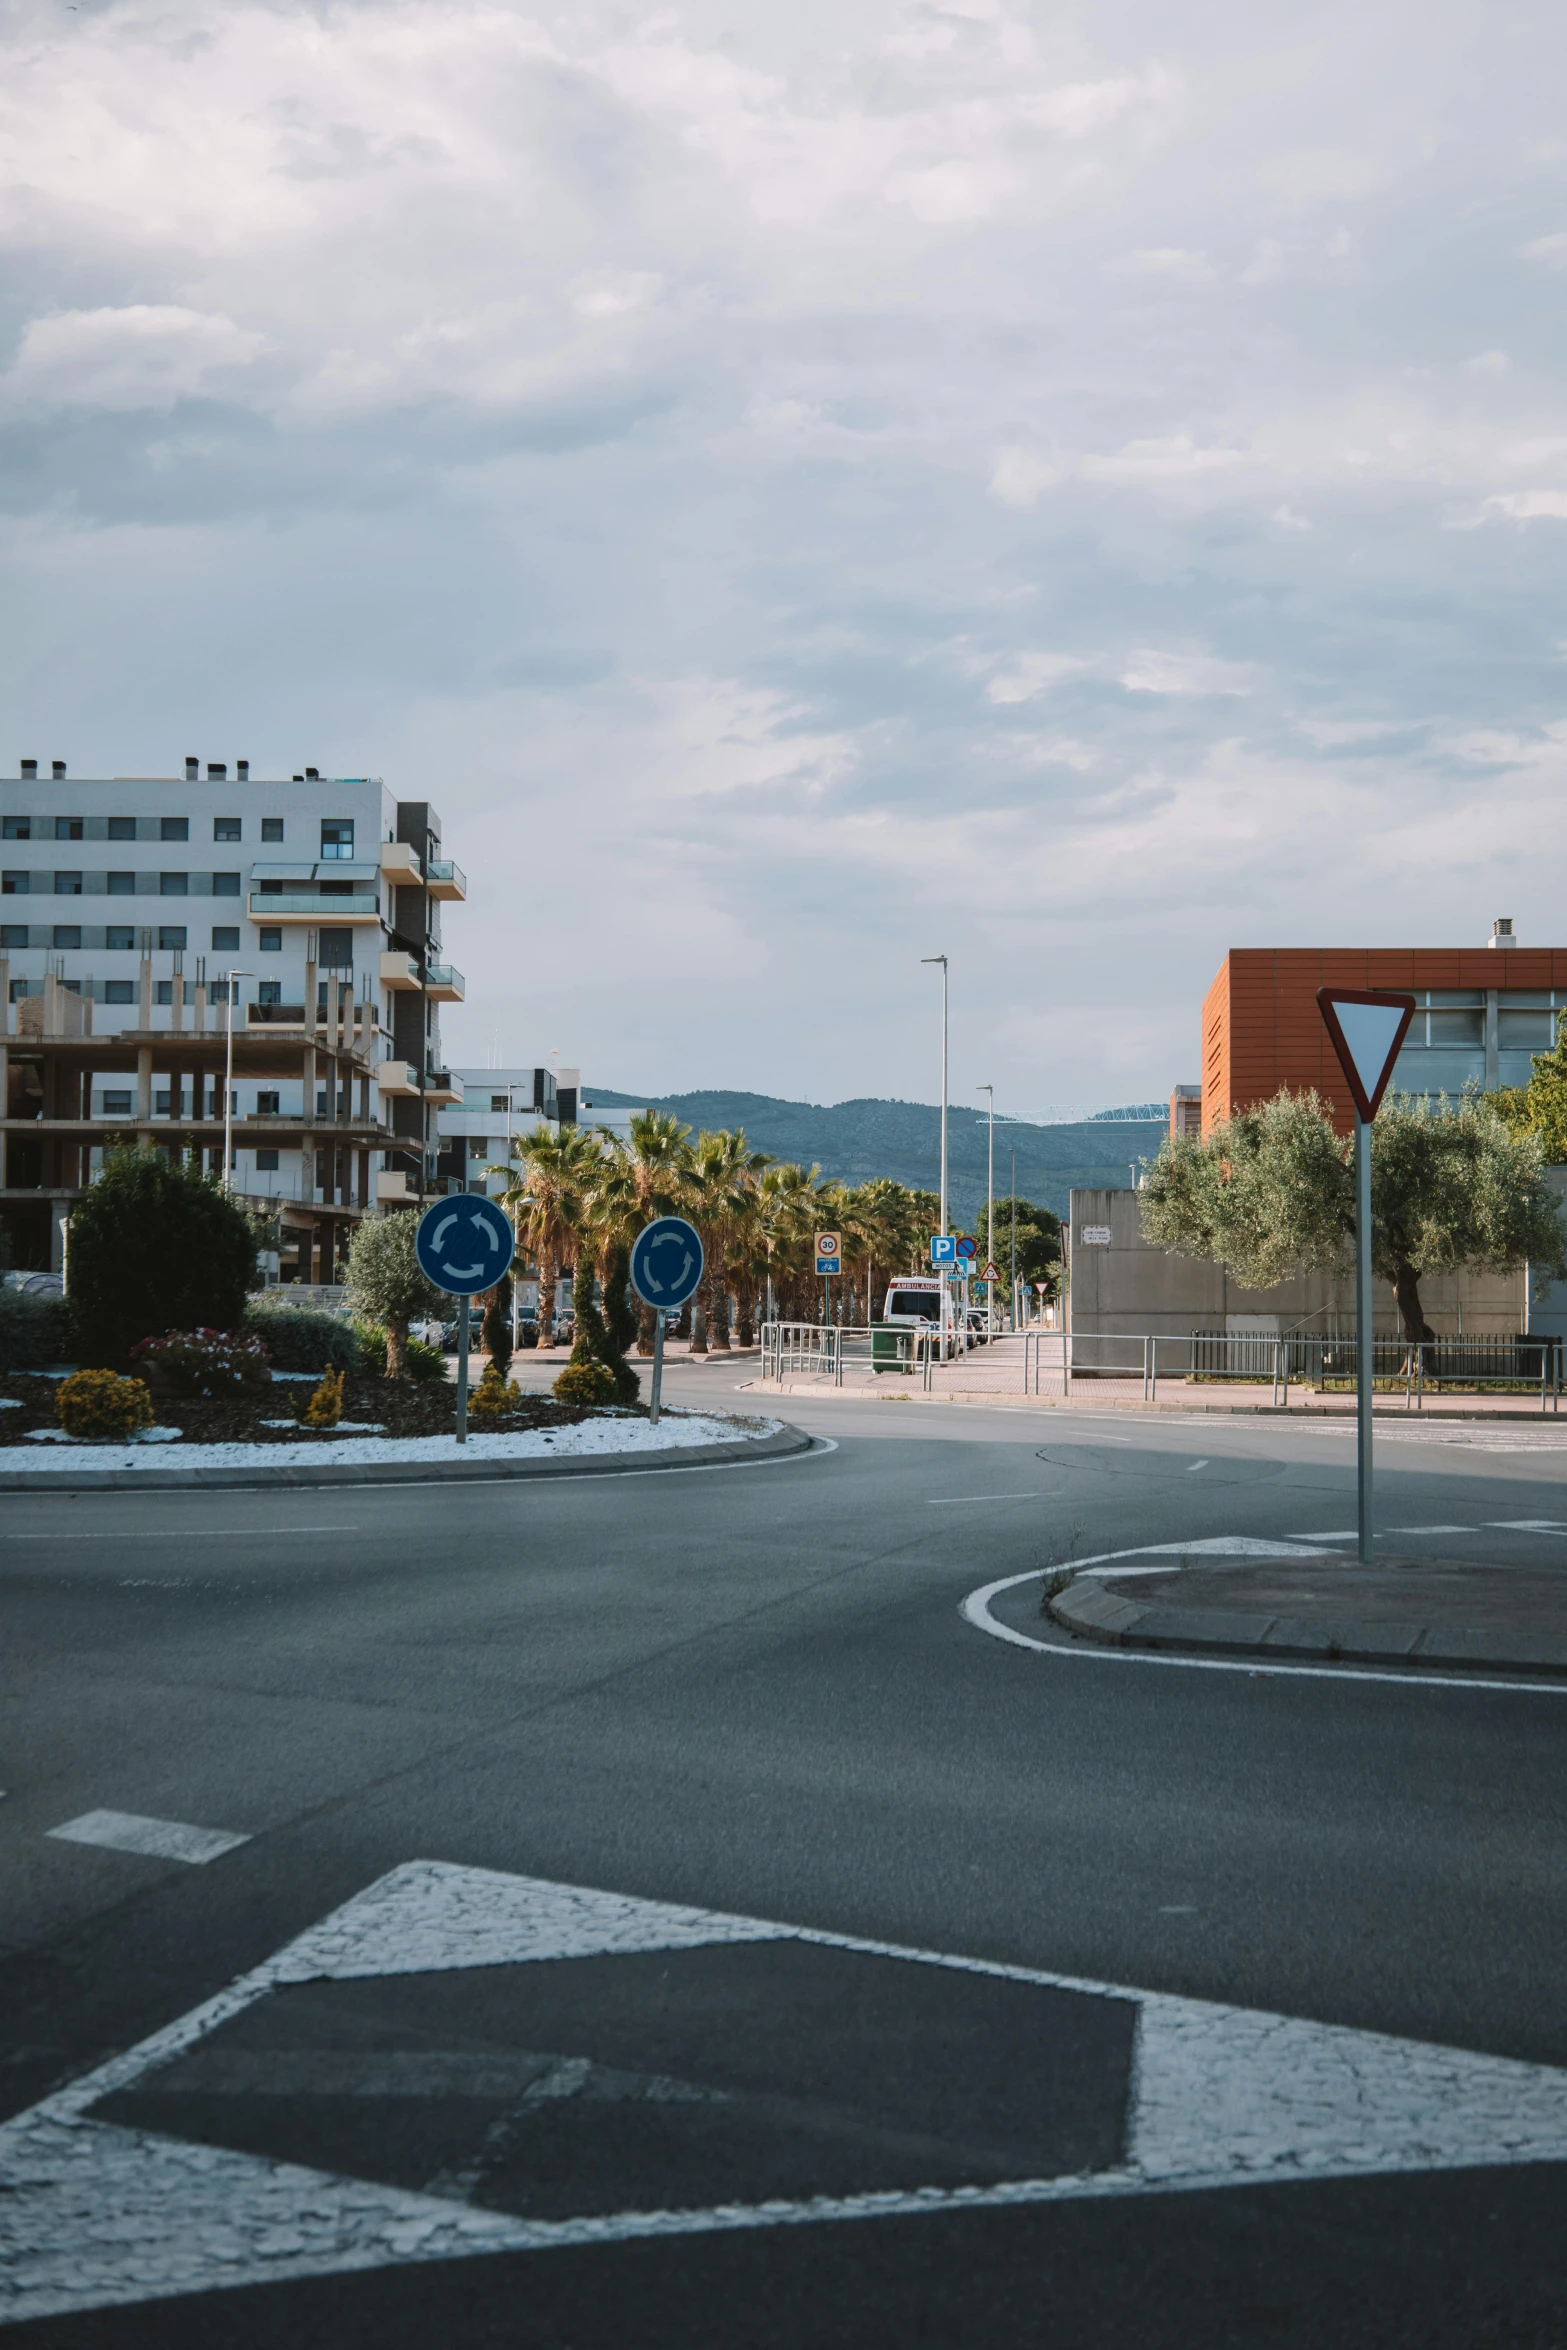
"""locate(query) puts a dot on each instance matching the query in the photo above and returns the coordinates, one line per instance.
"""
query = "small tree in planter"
(495, 1330)
(155, 1246)
(386, 1284)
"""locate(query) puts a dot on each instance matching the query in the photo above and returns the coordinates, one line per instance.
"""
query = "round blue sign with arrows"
(464, 1244)
(666, 1262)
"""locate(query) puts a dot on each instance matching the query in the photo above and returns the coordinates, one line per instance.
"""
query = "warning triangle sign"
(1367, 1031)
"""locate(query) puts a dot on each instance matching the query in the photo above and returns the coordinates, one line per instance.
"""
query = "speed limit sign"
(829, 1252)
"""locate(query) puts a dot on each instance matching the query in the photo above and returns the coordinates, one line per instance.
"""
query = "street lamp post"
(942, 960)
(990, 1203)
(229, 977)
(1012, 1214)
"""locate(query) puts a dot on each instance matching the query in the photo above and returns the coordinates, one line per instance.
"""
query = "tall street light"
(990, 1182)
(229, 977)
(942, 960)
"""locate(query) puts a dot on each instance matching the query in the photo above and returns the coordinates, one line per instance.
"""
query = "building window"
(17, 828)
(174, 828)
(225, 938)
(266, 1162)
(68, 828)
(68, 935)
(118, 991)
(267, 1105)
(1450, 1028)
(337, 950)
(67, 885)
(13, 885)
(270, 992)
(160, 1101)
(13, 936)
(320, 1101)
(226, 827)
(174, 885)
(271, 943)
(225, 885)
(122, 828)
(271, 827)
(337, 836)
(170, 936)
(117, 1105)
(121, 885)
(120, 938)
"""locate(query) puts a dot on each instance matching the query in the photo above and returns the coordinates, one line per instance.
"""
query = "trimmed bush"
(205, 1362)
(302, 1338)
(325, 1407)
(420, 1361)
(495, 1329)
(585, 1383)
(155, 1245)
(100, 1403)
(494, 1396)
(35, 1332)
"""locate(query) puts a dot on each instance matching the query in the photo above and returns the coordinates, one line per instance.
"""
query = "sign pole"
(462, 1371)
(658, 1370)
(1363, 1320)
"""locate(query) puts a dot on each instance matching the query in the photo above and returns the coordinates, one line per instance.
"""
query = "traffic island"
(572, 1443)
(1402, 1611)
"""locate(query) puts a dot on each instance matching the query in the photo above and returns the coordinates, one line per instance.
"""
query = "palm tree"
(548, 1198)
(724, 1173)
(647, 1175)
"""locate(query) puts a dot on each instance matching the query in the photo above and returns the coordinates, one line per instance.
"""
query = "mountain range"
(855, 1141)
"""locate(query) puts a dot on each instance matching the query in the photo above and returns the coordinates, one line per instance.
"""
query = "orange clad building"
(1482, 1013)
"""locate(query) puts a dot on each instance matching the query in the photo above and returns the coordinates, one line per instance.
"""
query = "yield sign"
(1367, 1031)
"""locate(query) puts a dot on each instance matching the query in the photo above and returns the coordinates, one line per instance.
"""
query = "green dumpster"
(892, 1346)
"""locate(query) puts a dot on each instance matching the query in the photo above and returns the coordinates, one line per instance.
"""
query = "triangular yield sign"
(1367, 1031)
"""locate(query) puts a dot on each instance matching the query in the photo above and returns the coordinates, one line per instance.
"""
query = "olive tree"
(1271, 1194)
(386, 1284)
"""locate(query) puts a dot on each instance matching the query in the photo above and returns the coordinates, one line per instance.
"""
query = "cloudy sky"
(804, 488)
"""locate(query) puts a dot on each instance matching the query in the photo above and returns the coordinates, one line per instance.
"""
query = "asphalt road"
(752, 1692)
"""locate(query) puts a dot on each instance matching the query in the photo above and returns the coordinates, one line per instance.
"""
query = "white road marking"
(1428, 1529)
(1341, 1534)
(98, 2216)
(950, 1501)
(976, 1611)
(1196, 1465)
(128, 1831)
(1525, 1525)
(181, 1534)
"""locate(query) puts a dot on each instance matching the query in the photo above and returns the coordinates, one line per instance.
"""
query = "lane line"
(1196, 1465)
(128, 1831)
(184, 1533)
(951, 1501)
(975, 1610)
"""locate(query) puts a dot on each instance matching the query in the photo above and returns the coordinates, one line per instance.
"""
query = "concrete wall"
(1132, 1287)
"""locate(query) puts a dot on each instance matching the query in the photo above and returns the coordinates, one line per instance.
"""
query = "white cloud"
(1151, 671)
(1552, 250)
(1033, 674)
(1488, 363)
(1287, 519)
(1177, 458)
(1020, 478)
(1530, 505)
(147, 355)
(1173, 262)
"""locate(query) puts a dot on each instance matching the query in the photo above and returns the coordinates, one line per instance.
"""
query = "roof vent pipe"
(192, 770)
(242, 770)
(312, 775)
(29, 770)
(57, 769)
(1502, 932)
(217, 771)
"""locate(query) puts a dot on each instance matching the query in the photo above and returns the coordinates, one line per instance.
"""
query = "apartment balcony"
(399, 971)
(444, 983)
(401, 865)
(443, 879)
(441, 1086)
(397, 1077)
(392, 1189)
(323, 912)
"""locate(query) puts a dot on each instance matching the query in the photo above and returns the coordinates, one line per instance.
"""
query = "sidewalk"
(1405, 1611)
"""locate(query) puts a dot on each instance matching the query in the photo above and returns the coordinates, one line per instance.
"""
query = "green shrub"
(302, 1338)
(205, 1362)
(35, 1332)
(419, 1362)
(387, 1284)
(585, 1383)
(155, 1245)
(495, 1329)
(325, 1407)
(494, 1397)
(99, 1403)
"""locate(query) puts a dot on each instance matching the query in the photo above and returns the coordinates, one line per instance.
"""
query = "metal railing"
(825, 1350)
(1293, 1359)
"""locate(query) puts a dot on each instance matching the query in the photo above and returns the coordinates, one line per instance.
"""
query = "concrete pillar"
(144, 1093)
(144, 991)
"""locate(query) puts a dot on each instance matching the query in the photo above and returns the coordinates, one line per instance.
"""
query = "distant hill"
(857, 1140)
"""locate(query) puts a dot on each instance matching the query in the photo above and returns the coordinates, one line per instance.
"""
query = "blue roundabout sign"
(666, 1262)
(464, 1244)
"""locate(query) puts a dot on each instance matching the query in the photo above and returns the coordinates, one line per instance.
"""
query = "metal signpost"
(666, 1269)
(943, 1249)
(464, 1244)
(829, 1260)
(1367, 1031)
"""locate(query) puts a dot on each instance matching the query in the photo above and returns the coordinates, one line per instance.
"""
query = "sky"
(804, 489)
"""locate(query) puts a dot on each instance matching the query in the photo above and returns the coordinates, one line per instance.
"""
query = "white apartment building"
(125, 904)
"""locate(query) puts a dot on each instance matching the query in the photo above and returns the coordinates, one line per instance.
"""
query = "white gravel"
(610, 1434)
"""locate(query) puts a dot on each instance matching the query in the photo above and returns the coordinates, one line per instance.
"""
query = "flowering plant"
(204, 1362)
(100, 1403)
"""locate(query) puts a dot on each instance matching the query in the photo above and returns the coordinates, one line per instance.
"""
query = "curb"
(782, 1446)
(1093, 1611)
(1013, 1400)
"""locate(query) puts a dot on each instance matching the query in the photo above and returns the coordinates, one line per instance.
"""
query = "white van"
(913, 1298)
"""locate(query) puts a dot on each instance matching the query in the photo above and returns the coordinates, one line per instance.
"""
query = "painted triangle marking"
(94, 2215)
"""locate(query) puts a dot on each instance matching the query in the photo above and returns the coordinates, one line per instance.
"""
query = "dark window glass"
(226, 828)
(18, 828)
(1533, 1032)
(170, 935)
(117, 1105)
(270, 992)
(13, 885)
(266, 1162)
(337, 836)
(225, 939)
(1458, 1028)
(271, 827)
(337, 950)
(272, 889)
(272, 944)
(173, 885)
(164, 994)
(267, 1104)
(67, 885)
(225, 885)
(174, 828)
(121, 885)
(120, 938)
(13, 935)
(68, 934)
(68, 828)
(122, 828)
(119, 991)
